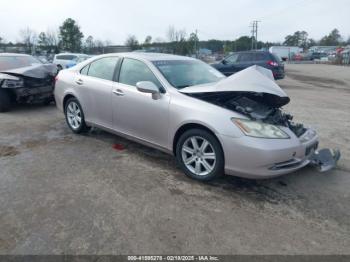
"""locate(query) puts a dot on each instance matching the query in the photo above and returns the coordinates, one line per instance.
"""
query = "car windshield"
(12, 62)
(184, 73)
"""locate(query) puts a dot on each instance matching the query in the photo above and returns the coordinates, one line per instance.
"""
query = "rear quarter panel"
(65, 86)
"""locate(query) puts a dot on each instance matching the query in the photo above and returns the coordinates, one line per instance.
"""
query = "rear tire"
(5, 101)
(199, 154)
(75, 116)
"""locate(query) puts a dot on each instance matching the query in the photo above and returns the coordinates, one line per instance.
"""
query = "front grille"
(38, 82)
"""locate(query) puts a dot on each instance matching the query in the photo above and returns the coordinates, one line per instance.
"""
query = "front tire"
(75, 116)
(200, 155)
(5, 101)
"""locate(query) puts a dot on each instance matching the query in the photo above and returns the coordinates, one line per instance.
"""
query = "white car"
(63, 60)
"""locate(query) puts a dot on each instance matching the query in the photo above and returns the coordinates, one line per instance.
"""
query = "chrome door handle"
(79, 81)
(118, 92)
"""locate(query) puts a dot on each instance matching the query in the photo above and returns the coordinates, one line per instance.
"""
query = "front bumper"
(259, 158)
(278, 73)
(33, 94)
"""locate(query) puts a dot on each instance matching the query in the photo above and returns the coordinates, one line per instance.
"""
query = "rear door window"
(102, 68)
(246, 57)
(261, 57)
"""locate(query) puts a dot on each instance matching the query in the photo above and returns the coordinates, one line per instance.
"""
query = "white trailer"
(285, 52)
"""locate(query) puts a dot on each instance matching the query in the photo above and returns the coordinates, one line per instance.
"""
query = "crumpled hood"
(7, 76)
(254, 79)
(35, 71)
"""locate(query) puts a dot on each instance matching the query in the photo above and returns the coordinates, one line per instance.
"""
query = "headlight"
(258, 129)
(9, 83)
(308, 135)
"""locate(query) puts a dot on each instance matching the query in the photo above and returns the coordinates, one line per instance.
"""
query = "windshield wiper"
(180, 87)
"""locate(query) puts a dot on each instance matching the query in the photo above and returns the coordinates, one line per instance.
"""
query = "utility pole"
(195, 44)
(256, 34)
(254, 26)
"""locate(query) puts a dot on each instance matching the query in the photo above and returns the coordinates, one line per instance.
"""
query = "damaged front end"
(33, 84)
(256, 106)
(254, 94)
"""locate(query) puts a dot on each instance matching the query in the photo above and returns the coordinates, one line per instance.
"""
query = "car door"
(229, 65)
(139, 114)
(261, 59)
(95, 83)
(245, 60)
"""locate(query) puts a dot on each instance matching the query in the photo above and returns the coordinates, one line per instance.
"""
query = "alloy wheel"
(74, 115)
(198, 155)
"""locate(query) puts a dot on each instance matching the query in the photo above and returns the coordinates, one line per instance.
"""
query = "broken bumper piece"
(325, 159)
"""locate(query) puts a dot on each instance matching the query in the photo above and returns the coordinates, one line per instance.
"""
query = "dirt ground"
(62, 193)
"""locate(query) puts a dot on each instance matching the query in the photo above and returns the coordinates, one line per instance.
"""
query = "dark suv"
(241, 60)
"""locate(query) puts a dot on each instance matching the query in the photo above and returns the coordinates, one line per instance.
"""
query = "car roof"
(77, 54)
(251, 51)
(151, 56)
(13, 54)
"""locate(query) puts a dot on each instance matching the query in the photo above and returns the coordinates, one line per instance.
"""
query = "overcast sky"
(114, 20)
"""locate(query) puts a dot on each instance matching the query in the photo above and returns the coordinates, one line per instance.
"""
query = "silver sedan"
(212, 124)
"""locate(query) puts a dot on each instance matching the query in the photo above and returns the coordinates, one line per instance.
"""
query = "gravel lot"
(67, 194)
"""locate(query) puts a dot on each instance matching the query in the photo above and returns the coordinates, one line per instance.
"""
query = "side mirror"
(148, 87)
(224, 61)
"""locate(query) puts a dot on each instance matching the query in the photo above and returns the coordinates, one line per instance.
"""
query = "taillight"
(56, 78)
(272, 63)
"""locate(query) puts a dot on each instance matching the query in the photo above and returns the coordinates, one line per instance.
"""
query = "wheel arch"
(66, 98)
(187, 126)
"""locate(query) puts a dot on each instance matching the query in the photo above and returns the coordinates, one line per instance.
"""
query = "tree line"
(178, 42)
(69, 37)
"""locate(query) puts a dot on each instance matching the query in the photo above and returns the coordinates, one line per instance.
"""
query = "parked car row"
(67, 60)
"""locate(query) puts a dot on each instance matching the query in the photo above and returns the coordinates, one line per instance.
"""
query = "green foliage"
(148, 40)
(132, 42)
(42, 40)
(332, 39)
(89, 44)
(299, 38)
(213, 44)
(193, 43)
(70, 36)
